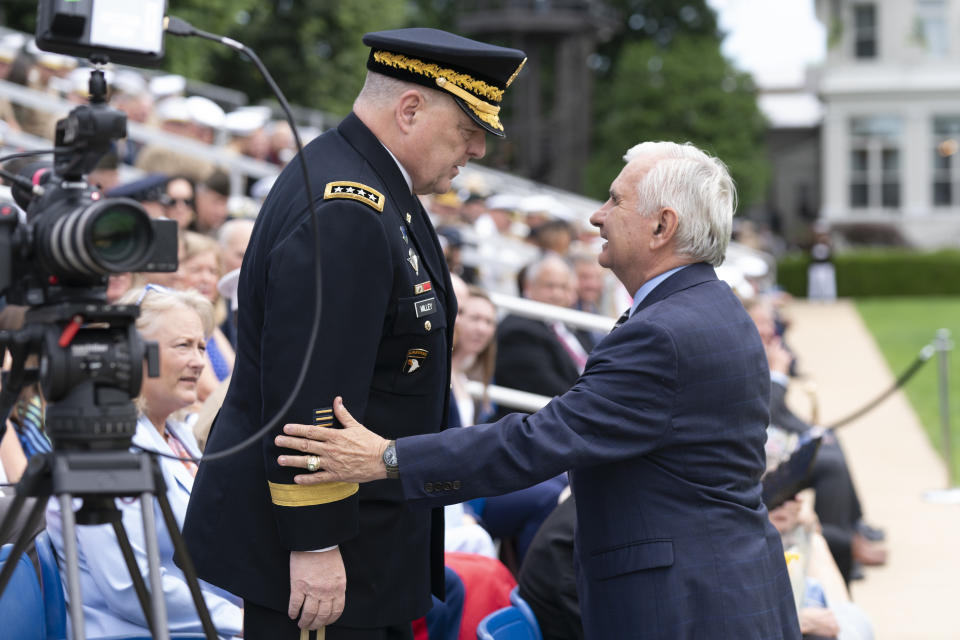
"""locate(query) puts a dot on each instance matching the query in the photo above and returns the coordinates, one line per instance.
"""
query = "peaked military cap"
(476, 74)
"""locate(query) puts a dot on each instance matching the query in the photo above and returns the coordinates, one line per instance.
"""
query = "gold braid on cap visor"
(458, 84)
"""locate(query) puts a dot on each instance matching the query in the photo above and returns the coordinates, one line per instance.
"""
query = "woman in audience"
(178, 201)
(474, 353)
(179, 322)
(200, 270)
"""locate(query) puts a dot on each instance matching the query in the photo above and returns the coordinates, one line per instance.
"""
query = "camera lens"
(112, 235)
(116, 234)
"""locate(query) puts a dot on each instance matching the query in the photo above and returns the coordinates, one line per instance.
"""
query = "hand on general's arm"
(318, 584)
(351, 454)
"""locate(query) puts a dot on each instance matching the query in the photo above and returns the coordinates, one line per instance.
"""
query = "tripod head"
(89, 374)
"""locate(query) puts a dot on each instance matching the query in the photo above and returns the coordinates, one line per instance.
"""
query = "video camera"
(56, 261)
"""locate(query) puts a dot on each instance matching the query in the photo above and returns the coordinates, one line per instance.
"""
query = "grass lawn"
(901, 327)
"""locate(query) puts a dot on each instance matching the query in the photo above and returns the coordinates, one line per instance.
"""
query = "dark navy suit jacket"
(664, 433)
(384, 345)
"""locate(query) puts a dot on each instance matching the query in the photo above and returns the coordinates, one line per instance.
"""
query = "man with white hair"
(663, 432)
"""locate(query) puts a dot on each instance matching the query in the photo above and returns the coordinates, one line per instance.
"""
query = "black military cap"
(476, 74)
(151, 188)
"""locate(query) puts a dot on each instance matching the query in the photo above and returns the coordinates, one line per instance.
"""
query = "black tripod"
(95, 476)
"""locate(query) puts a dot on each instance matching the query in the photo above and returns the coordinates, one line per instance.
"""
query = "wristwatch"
(390, 460)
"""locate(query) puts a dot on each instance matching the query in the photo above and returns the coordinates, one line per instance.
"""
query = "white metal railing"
(551, 313)
(512, 398)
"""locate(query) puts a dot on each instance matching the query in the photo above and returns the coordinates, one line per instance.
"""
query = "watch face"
(390, 456)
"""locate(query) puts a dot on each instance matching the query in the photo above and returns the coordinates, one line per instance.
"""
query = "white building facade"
(891, 129)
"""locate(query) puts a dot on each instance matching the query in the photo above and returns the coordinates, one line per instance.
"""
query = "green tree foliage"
(663, 77)
(311, 47)
(686, 91)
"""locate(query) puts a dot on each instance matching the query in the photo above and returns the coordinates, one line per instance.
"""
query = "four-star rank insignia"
(415, 360)
(355, 191)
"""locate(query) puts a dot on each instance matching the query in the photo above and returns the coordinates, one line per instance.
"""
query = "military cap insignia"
(354, 191)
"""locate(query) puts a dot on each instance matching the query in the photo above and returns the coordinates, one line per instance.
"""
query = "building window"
(930, 27)
(946, 167)
(865, 30)
(875, 162)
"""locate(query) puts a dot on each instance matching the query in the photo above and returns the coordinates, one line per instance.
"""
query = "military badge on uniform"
(414, 260)
(415, 360)
(403, 234)
(423, 287)
(409, 218)
(355, 191)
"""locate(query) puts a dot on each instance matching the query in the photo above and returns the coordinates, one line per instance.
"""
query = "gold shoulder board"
(354, 191)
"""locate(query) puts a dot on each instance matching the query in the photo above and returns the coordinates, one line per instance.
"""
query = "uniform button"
(456, 485)
(448, 486)
(427, 325)
(428, 487)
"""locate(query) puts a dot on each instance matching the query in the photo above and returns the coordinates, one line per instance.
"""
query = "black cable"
(178, 27)
(27, 154)
(925, 354)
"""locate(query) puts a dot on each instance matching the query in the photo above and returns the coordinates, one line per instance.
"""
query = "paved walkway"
(917, 594)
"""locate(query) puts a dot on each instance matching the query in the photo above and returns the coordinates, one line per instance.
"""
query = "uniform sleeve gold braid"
(431, 70)
(298, 495)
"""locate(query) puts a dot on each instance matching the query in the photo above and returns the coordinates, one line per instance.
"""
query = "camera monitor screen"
(123, 31)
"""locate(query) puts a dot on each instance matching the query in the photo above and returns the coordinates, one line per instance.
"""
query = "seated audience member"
(553, 236)
(233, 238)
(117, 285)
(825, 609)
(474, 354)
(537, 356)
(200, 270)
(548, 579)
(180, 323)
(178, 201)
(212, 199)
(837, 503)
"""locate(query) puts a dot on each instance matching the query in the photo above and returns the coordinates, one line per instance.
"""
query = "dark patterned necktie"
(623, 318)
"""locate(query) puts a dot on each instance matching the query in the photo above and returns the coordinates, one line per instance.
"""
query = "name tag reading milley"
(425, 307)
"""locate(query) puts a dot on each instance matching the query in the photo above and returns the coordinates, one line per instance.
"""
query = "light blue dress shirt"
(650, 285)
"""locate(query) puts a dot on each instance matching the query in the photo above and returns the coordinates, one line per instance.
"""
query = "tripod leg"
(123, 541)
(72, 558)
(159, 628)
(180, 553)
(23, 540)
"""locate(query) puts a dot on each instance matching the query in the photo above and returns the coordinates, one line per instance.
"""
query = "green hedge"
(880, 272)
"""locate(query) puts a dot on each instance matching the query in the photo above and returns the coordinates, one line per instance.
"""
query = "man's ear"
(667, 222)
(408, 106)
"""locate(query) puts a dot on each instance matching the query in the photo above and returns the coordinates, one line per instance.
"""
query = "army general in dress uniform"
(299, 555)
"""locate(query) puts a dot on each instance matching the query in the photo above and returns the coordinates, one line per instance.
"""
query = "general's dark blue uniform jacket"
(384, 343)
(664, 432)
